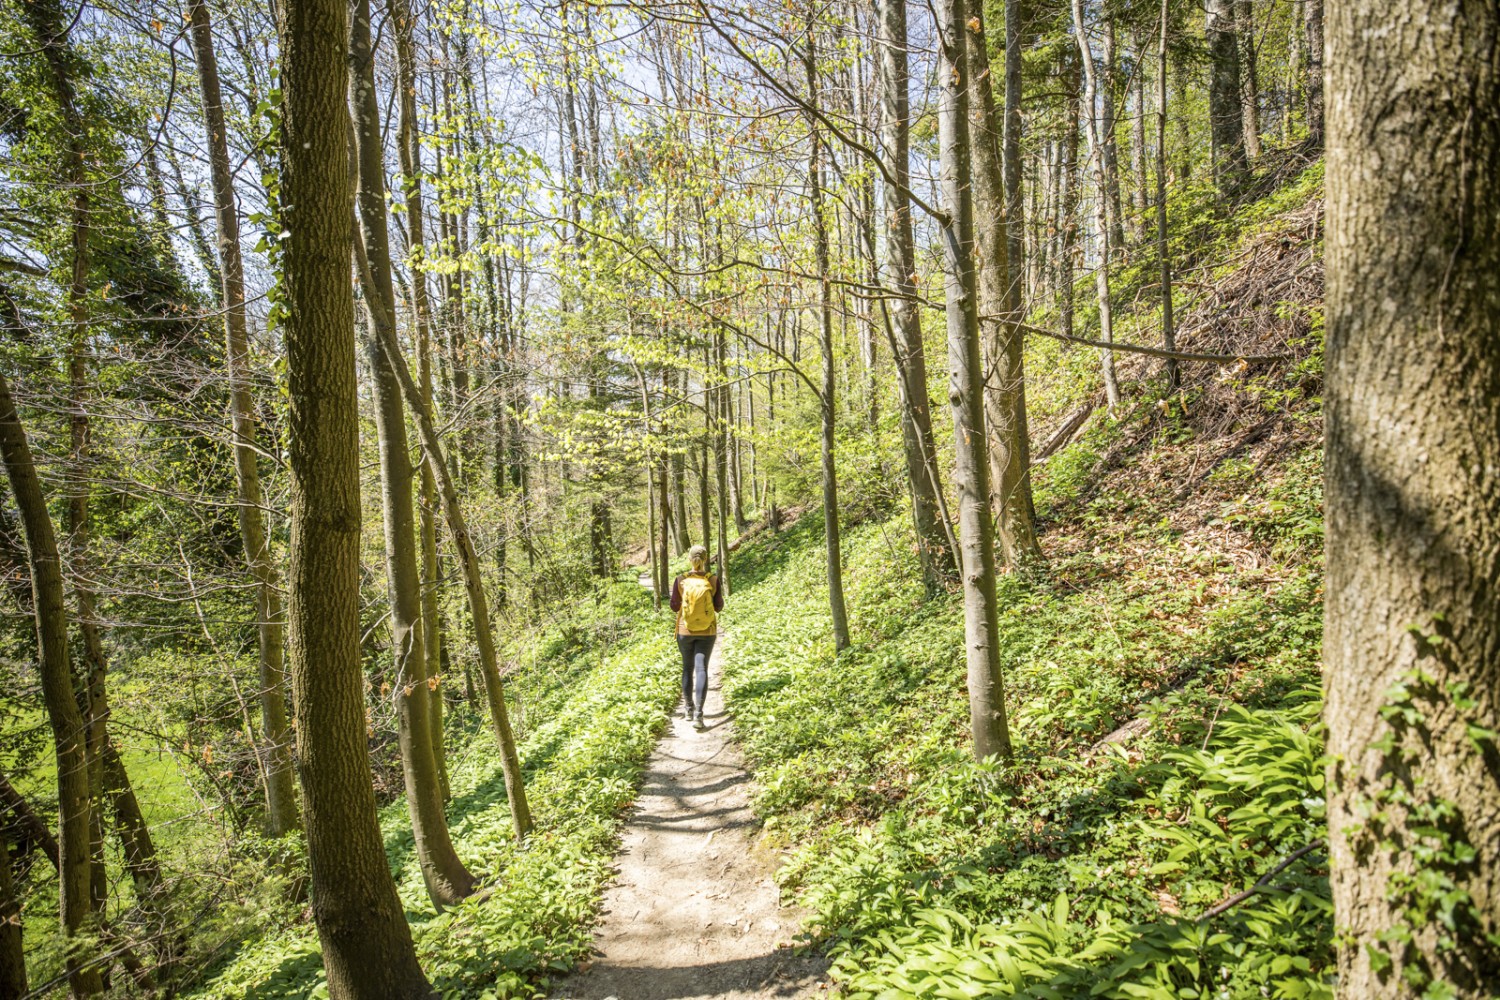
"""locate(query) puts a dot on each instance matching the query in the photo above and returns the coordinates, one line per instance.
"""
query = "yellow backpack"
(698, 603)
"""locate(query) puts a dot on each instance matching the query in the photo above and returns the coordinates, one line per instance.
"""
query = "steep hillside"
(1162, 684)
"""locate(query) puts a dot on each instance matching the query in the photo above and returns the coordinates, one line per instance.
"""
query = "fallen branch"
(1260, 883)
(1065, 432)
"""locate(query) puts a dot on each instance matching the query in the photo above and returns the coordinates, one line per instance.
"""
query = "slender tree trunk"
(1225, 112)
(1067, 235)
(367, 946)
(130, 826)
(55, 667)
(468, 560)
(1412, 633)
(281, 793)
(1312, 11)
(1163, 247)
(46, 22)
(410, 153)
(1010, 151)
(188, 195)
(30, 829)
(1142, 187)
(1005, 388)
(681, 521)
(721, 457)
(1101, 213)
(905, 324)
(662, 560)
(1244, 25)
(1109, 103)
(446, 878)
(965, 394)
(826, 402)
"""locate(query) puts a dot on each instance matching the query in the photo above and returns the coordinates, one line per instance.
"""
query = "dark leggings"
(696, 649)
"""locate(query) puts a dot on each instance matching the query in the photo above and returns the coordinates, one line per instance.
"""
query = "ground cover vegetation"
(1101, 477)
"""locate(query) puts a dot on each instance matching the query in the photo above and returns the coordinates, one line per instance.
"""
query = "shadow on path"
(695, 911)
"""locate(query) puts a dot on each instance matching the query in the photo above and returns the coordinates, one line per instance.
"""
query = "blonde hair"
(698, 558)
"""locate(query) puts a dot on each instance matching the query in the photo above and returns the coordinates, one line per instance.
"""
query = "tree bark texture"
(966, 395)
(1225, 112)
(1010, 146)
(1312, 11)
(367, 945)
(905, 324)
(1163, 246)
(1244, 26)
(998, 305)
(281, 791)
(1412, 629)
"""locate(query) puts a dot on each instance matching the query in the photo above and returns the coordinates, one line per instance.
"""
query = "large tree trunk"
(999, 304)
(905, 324)
(446, 878)
(1101, 213)
(1225, 112)
(55, 666)
(1412, 634)
(281, 791)
(966, 395)
(833, 547)
(367, 945)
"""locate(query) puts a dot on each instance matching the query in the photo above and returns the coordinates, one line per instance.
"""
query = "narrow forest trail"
(694, 911)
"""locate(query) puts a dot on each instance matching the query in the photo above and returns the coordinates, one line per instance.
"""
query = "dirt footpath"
(694, 912)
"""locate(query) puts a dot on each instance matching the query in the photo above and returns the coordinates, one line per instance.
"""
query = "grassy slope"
(1184, 593)
(600, 705)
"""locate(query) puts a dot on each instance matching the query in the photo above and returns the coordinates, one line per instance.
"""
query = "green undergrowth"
(1085, 867)
(590, 708)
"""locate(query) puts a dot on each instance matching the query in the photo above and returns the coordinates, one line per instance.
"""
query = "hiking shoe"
(698, 720)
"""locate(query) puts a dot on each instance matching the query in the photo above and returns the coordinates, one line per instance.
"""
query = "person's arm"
(718, 596)
(676, 600)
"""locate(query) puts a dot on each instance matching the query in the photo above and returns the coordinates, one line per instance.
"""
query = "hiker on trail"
(697, 600)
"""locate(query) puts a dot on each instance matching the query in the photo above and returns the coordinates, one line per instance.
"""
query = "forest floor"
(695, 911)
